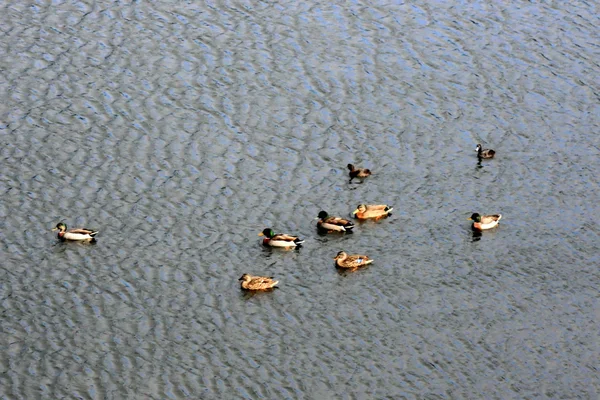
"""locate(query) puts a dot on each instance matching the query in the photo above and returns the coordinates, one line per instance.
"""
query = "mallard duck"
(343, 260)
(280, 239)
(360, 173)
(79, 234)
(482, 222)
(251, 282)
(328, 223)
(484, 153)
(376, 212)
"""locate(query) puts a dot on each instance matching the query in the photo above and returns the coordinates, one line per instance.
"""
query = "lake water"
(182, 129)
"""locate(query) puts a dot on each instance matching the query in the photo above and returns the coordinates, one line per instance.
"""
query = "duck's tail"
(299, 241)
(389, 209)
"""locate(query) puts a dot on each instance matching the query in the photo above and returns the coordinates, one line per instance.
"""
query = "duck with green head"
(328, 223)
(483, 222)
(78, 234)
(280, 239)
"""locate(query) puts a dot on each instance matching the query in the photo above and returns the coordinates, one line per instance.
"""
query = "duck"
(343, 260)
(279, 239)
(360, 173)
(78, 234)
(251, 282)
(376, 212)
(484, 153)
(328, 223)
(483, 222)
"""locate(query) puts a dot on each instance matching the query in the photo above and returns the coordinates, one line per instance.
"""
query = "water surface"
(182, 129)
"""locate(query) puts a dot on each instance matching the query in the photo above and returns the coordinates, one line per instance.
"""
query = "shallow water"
(181, 130)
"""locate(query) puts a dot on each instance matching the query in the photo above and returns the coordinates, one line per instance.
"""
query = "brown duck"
(360, 173)
(343, 260)
(251, 282)
(372, 211)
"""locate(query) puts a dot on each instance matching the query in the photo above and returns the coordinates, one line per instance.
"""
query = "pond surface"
(181, 130)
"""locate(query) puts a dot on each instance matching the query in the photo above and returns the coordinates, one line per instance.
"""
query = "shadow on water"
(371, 221)
(325, 233)
(268, 251)
(60, 246)
(250, 294)
(350, 271)
(476, 234)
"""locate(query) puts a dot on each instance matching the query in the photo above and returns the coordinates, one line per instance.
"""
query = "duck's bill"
(261, 234)
(469, 219)
(355, 211)
(54, 229)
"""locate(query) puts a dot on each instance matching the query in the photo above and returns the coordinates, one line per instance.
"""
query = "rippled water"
(182, 129)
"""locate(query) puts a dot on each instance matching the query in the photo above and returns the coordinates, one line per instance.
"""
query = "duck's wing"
(284, 237)
(373, 207)
(486, 219)
(357, 257)
(337, 221)
(376, 213)
(262, 282)
(358, 260)
(83, 231)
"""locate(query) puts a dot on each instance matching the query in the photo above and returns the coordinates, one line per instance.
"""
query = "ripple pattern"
(182, 129)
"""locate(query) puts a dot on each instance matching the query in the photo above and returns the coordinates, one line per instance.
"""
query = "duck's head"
(323, 214)
(244, 277)
(341, 255)
(478, 148)
(360, 209)
(60, 226)
(475, 217)
(268, 232)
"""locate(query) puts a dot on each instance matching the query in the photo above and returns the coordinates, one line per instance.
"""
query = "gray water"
(182, 129)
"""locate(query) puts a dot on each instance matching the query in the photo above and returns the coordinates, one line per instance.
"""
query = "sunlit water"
(182, 129)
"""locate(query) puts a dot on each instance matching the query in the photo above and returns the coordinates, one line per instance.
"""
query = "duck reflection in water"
(476, 234)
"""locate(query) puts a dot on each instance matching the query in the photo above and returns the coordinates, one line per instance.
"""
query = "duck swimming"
(483, 222)
(360, 173)
(372, 211)
(279, 239)
(78, 234)
(251, 282)
(343, 260)
(484, 153)
(328, 223)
